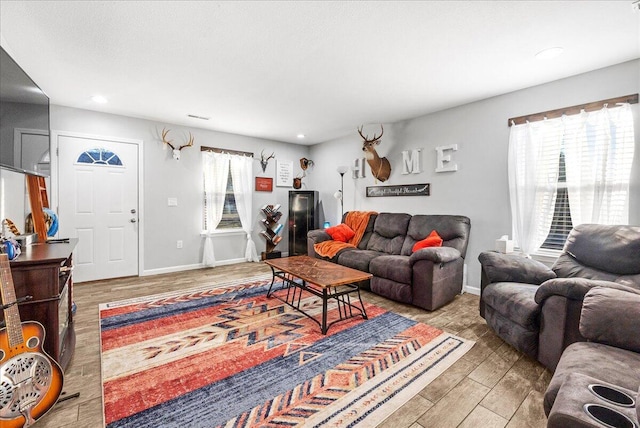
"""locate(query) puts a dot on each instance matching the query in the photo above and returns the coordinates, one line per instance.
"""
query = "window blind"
(230, 218)
(594, 171)
(561, 224)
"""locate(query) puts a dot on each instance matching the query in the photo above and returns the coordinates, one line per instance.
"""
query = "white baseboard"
(188, 267)
(230, 262)
(471, 290)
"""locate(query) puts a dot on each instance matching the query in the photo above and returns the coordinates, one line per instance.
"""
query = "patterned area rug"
(231, 357)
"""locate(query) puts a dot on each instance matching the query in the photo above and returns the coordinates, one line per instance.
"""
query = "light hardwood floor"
(493, 385)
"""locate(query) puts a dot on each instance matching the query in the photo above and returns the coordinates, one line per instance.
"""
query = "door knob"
(133, 220)
(133, 211)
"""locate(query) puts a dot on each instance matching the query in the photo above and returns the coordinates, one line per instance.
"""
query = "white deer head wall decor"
(264, 161)
(176, 152)
(380, 167)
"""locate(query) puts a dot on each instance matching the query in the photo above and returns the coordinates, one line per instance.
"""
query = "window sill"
(548, 257)
(222, 232)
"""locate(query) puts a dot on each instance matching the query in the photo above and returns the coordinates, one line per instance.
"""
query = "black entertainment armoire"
(303, 217)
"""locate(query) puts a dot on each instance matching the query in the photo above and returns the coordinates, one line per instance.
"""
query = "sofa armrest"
(611, 316)
(573, 288)
(500, 267)
(314, 237)
(318, 235)
(435, 255)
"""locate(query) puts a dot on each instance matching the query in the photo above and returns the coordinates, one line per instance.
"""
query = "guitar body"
(30, 380)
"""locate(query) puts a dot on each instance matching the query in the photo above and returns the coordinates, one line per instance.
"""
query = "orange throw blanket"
(357, 221)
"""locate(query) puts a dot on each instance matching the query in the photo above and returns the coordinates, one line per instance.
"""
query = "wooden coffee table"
(323, 279)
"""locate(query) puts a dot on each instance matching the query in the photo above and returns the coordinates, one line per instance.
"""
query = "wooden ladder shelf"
(38, 199)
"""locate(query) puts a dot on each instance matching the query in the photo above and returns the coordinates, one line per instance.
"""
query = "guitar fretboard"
(8, 294)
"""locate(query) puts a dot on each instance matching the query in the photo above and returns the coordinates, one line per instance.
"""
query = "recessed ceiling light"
(301, 136)
(549, 53)
(99, 99)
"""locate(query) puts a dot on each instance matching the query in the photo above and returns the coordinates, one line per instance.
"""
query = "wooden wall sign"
(264, 184)
(399, 190)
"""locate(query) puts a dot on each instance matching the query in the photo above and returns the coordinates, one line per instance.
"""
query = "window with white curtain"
(567, 171)
(227, 200)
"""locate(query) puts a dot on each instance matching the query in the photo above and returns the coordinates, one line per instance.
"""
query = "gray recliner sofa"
(428, 278)
(610, 321)
(537, 309)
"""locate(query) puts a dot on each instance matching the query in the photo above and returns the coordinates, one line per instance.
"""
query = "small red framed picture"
(264, 184)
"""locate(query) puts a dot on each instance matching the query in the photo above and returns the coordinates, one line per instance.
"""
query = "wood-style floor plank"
(453, 399)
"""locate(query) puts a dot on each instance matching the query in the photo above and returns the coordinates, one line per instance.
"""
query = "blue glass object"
(326, 225)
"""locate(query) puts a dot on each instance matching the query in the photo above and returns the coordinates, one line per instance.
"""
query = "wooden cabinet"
(303, 217)
(44, 271)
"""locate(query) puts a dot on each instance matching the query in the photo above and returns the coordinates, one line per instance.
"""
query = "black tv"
(24, 121)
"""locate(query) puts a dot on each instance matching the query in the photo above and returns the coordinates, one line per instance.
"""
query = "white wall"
(13, 189)
(479, 189)
(164, 177)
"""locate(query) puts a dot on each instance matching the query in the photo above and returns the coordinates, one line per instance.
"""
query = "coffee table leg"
(273, 279)
(364, 312)
(325, 297)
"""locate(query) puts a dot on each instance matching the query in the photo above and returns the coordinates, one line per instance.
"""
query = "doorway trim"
(17, 142)
(55, 136)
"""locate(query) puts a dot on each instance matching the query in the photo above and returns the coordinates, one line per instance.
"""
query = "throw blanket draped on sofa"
(357, 221)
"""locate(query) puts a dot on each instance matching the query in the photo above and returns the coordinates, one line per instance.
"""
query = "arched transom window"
(99, 156)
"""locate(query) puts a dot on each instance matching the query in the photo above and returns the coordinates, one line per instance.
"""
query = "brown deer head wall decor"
(306, 163)
(380, 166)
(176, 152)
(265, 161)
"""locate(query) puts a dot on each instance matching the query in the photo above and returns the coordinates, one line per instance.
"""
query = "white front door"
(98, 204)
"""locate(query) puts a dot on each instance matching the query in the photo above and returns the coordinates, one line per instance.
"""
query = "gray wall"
(164, 177)
(479, 189)
(13, 201)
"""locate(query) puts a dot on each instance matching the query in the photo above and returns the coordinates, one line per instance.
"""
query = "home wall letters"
(443, 162)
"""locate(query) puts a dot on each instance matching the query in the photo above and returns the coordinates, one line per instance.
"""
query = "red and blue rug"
(228, 356)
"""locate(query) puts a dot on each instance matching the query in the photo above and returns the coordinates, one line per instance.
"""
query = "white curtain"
(534, 152)
(241, 173)
(598, 154)
(215, 168)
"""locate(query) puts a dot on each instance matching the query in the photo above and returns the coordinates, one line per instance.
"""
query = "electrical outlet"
(179, 244)
(172, 202)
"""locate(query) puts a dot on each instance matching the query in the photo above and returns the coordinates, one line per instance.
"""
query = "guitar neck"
(8, 294)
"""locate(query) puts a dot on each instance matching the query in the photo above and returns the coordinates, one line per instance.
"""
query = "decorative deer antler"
(164, 138)
(264, 162)
(189, 143)
(380, 167)
(176, 152)
(375, 138)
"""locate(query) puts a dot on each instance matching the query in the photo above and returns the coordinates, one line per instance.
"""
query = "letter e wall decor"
(443, 162)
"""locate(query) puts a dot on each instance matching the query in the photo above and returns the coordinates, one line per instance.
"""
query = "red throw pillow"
(340, 232)
(433, 240)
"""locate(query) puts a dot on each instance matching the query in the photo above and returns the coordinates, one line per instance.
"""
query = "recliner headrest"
(613, 249)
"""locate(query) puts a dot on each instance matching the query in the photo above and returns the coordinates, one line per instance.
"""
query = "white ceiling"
(276, 69)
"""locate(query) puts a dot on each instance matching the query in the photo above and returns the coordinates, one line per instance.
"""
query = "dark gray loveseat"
(537, 309)
(428, 278)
